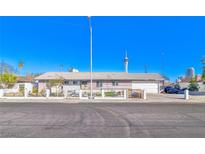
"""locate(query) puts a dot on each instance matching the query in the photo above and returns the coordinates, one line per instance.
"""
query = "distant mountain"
(7, 67)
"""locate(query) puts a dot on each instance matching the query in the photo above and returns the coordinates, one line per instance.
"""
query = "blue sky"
(165, 45)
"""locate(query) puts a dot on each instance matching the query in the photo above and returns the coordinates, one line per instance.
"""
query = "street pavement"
(88, 120)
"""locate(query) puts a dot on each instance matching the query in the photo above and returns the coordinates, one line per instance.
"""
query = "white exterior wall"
(71, 88)
(107, 84)
(41, 86)
(28, 86)
(148, 87)
(202, 87)
(15, 89)
(56, 89)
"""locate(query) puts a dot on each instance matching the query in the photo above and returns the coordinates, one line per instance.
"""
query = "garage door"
(149, 87)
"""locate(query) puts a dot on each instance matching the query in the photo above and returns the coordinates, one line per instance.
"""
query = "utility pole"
(61, 67)
(91, 61)
(145, 69)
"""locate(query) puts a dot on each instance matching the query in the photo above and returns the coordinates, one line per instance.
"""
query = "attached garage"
(149, 87)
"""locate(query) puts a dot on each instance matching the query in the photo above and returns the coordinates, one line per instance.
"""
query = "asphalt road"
(101, 120)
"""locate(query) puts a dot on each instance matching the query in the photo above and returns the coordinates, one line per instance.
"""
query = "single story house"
(23, 82)
(151, 82)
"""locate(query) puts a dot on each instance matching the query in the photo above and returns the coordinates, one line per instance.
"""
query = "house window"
(66, 82)
(71, 82)
(99, 84)
(75, 82)
(84, 82)
(115, 83)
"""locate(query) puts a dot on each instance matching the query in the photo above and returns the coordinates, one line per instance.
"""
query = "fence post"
(25, 92)
(158, 87)
(103, 93)
(80, 94)
(1, 93)
(65, 94)
(144, 95)
(186, 94)
(47, 93)
(125, 94)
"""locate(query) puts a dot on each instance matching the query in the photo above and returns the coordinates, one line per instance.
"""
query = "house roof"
(100, 76)
(25, 79)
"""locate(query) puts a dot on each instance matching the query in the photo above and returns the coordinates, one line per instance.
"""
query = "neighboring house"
(186, 85)
(151, 82)
(185, 82)
(25, 82)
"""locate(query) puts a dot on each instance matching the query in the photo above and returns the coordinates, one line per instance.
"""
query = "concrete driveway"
(101, 120)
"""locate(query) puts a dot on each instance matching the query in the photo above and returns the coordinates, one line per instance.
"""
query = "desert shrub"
(21, 90)
(35, 90)
(42, 92)
(98, 94)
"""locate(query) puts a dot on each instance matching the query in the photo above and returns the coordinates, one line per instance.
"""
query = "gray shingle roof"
(100, 76)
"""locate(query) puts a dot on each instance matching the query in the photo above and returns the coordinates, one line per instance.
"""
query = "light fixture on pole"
(91, 71)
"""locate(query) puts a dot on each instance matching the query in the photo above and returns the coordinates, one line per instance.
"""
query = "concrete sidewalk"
(175, 98)
(151, 98)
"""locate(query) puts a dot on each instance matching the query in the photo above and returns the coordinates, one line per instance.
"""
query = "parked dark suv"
(172, 90)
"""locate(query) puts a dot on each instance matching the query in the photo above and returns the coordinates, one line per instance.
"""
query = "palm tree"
(20, 66)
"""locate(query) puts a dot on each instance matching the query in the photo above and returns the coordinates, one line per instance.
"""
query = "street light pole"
(91, 60)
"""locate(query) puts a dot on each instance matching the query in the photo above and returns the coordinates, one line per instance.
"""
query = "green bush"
(8, 79)
(110, 94)
(193, 86)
